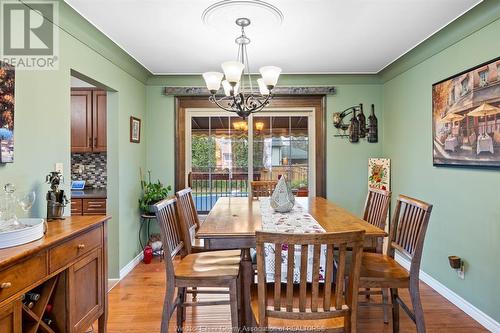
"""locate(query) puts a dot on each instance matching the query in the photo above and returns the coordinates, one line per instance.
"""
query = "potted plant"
(152, 193)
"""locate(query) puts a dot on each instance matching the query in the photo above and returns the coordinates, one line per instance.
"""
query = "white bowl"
(34, 230)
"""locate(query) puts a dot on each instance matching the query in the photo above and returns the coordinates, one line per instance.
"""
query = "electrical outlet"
(59, 168)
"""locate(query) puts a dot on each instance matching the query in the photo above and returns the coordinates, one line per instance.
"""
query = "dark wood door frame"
(318, 102)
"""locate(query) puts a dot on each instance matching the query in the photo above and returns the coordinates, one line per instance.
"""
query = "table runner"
(298, 220)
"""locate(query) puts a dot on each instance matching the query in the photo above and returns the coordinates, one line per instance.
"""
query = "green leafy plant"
(152, 192)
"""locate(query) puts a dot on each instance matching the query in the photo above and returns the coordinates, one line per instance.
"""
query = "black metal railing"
(209, 187)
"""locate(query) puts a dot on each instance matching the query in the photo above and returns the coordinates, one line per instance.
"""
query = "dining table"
(233, 221)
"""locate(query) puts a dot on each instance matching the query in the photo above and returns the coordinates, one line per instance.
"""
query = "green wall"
(42, 129)
(466, 216)
(346, 163)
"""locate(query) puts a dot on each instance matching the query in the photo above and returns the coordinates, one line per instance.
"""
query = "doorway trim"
(318, 103)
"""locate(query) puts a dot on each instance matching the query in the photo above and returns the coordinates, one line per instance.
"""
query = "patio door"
(224, 153)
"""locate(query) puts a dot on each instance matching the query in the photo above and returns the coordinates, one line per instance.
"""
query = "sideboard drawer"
(94, 206)
(22, 275)
(68, 251)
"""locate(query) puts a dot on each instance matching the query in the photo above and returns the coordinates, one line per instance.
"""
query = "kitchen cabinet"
(92, 206)
(88, 121)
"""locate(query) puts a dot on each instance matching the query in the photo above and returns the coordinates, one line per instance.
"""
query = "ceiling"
(316, 36)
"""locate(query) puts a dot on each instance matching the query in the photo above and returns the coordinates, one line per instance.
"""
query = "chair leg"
(385, 301)
(181, 309)
(233, 300)
(395, 310)
(417, 309)
(168, 306)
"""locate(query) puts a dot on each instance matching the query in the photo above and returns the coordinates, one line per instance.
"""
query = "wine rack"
(33, 317)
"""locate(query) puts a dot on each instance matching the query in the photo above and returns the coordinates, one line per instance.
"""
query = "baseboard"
(479, 316)
(125, 270)
(112, 283)
(131, 265)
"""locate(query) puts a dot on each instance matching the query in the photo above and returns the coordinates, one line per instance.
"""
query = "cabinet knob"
(81, 246)
(5, 285)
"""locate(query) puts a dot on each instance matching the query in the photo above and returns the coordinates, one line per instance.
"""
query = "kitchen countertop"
(91, 193)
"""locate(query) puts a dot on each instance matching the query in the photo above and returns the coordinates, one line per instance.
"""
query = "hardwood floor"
(135, 305)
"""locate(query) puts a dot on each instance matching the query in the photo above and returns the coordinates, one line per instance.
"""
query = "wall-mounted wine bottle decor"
(357, 128)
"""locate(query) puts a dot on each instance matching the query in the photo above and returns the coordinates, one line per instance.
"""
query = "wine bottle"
(372, 127)
(32, 296)
(354, 128)
(362, 122)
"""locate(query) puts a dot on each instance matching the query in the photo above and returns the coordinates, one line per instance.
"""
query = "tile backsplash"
(90, 167)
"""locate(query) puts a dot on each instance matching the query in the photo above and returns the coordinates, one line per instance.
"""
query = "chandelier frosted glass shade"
(232, 71)
(213, 80)
(270, 75)
(262, 87)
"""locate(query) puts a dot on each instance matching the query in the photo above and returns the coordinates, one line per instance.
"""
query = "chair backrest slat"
(289, 278)
(303, 277)
(188, 215)
(277, 274)
(316, 301)
(327, 299)
(377, 207)
(339, 296)
(408, 229)
(262, 188)
(315, 278)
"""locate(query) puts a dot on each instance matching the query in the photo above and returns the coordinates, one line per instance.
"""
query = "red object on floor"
(148, 254)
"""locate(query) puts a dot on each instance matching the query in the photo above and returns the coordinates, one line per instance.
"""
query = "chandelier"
(237, 97)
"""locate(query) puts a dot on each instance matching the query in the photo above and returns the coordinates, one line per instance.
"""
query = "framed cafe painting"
(466, 117)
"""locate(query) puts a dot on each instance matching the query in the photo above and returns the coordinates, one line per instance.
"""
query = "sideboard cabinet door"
(10, 318)
(85, 291)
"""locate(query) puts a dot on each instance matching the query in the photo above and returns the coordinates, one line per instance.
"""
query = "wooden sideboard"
(67, 268)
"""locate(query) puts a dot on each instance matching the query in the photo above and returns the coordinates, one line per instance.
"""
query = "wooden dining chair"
(327, 306)
(376, 211)
(262, 188)
(210, 269)
(189, 219)
(407, 234)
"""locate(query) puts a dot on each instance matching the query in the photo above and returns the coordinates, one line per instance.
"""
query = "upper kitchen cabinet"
(99, 120)
(88, 121)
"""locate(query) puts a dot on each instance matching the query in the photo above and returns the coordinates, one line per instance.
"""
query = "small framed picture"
(135, 130)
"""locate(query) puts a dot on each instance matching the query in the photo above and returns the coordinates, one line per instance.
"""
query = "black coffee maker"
(56, 198)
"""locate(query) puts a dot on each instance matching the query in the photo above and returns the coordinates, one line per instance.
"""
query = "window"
(465, 86)
(483, 78)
